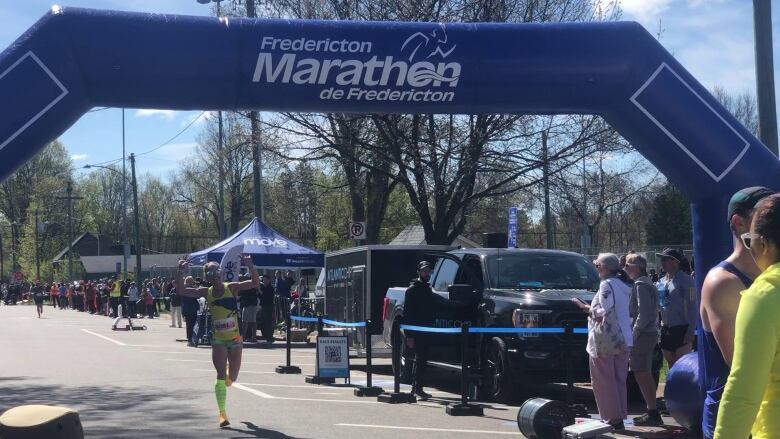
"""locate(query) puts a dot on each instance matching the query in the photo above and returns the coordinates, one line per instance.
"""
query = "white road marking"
(103, 337)
(267, 396)
(242, 362)
(292, 385)
(327, 400)
(190, 351)
(242, 372)
(253, 391)
(446, 430)
(327, 393)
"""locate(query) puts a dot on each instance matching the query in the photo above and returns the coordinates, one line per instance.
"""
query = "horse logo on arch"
(433, 43)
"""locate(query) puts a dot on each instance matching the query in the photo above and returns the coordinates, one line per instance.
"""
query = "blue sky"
(713, 39)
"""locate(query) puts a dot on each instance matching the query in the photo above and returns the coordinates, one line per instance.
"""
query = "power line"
(104, 163)
(157, 147)
(174, 137)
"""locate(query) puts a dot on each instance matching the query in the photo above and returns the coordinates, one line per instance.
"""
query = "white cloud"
(173, 152)
(77, 157)
(165, 114)
(644, 10)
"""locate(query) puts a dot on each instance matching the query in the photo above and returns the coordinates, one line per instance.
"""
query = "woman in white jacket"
(609, 341)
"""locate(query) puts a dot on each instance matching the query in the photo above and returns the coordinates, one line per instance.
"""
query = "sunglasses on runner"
(747, 238)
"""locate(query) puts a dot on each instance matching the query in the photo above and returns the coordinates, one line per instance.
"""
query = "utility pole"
(69, 198)
(13, 246)
(70, 231)
(585, 232)
(548, 227)
(765, 79)
(37, 250)
(220, 165)
(2, 257)
(136, 221)
(257, 164)
(125, 245)
(221, 183)
(257, 167)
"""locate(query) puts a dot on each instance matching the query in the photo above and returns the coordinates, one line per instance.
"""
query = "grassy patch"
(664, 371)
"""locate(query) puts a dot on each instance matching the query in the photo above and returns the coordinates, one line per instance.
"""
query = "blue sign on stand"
(512, 235)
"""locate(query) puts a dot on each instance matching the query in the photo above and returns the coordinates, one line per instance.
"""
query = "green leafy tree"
(669, 222)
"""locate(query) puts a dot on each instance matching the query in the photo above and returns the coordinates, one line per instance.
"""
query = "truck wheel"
(497, 376)
(407, 358)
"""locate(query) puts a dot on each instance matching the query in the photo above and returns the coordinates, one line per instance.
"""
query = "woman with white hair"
(609, 341)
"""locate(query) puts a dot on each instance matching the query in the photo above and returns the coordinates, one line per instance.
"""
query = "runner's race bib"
(225, 325)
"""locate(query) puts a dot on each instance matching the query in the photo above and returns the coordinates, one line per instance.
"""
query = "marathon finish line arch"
(76, 59)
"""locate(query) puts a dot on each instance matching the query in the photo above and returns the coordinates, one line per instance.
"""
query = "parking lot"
(149, 384)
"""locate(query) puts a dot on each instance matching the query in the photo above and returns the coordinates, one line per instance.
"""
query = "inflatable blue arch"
(75, 59)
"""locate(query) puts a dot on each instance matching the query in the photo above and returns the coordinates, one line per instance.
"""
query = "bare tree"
(743, 106)
(197, 180)
(612, 181)
(445, 163)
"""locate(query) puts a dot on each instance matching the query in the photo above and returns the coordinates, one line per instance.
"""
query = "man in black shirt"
(419, 303)
(267, 308)
(248, 301)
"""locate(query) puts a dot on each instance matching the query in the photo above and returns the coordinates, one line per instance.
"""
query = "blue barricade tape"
(429, 329)
(343, 324)
(478, 330)
(517, 330)
(303, 319)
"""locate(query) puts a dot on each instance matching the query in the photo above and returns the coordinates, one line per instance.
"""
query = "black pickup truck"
(508, 288)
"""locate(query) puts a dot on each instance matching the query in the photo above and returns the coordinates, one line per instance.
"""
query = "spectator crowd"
(259, 309)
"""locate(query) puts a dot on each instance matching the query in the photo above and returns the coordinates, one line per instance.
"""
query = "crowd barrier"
(288, 368)
(464, 407)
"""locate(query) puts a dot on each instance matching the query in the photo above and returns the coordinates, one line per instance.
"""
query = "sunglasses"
(747, 238)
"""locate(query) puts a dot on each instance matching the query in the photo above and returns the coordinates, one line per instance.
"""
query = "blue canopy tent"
(268, 248)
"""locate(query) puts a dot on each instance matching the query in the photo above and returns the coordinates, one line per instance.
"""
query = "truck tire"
(497, 376)
(406, 358)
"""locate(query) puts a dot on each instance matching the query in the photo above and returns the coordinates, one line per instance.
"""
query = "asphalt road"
(146, 384)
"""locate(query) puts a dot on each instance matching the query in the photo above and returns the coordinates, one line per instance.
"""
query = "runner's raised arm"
(247, 284)
(184, 291)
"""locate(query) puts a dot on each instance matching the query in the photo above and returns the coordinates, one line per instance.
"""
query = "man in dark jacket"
(267, 309)
(189, 309)
(419, 306)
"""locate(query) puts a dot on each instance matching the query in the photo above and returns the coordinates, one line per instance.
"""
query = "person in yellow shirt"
(114, 296)
(751, 400)
(227, 344)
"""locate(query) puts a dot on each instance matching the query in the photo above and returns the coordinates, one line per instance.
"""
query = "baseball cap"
(744, 200)
(671, 253)
(423, 264)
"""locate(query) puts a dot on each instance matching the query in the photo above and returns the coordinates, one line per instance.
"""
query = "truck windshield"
(541, 271)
